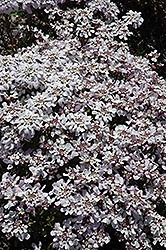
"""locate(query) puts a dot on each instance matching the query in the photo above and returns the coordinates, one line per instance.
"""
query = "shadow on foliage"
(152, 33)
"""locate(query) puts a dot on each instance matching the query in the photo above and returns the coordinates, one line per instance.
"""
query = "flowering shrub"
(83, 128)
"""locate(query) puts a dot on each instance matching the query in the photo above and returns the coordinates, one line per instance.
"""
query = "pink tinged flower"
(26, 7)
(8, 193)
(8, 6)
(118, 179)
(57, 230)
(106, 220)
(35, 247)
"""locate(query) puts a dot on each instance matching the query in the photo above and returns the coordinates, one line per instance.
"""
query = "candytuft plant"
(83, 127)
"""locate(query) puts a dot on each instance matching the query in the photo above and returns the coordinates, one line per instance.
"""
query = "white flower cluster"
(83, 113)
(7, 6)
(24, 198)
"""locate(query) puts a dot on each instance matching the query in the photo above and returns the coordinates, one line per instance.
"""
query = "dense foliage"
(83, 132)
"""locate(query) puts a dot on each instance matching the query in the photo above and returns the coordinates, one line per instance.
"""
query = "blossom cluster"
(7, 6)
(85, 120)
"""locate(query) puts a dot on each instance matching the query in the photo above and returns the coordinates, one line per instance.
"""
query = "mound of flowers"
(83, 133)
